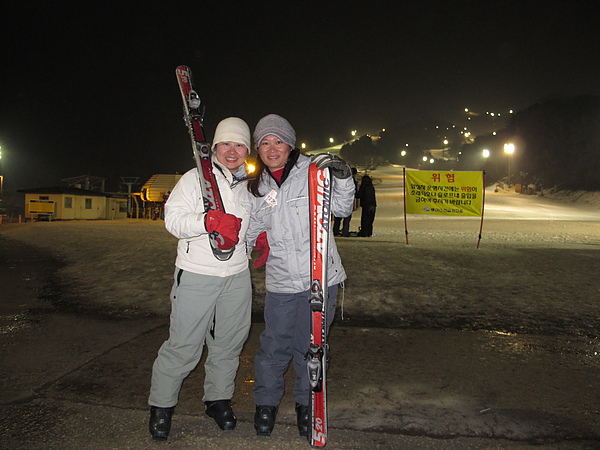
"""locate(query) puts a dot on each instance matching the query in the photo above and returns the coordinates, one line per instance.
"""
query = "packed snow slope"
(536, 268)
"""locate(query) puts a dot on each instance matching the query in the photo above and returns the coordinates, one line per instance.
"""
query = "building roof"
(66, 190)
(159, 186)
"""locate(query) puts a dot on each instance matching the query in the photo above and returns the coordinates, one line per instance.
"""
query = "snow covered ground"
(536, 269)
(529, 374)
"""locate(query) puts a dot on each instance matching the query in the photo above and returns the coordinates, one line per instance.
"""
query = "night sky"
(89, 87)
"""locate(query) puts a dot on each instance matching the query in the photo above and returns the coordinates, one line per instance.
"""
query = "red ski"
(194, 118)
(320, 217)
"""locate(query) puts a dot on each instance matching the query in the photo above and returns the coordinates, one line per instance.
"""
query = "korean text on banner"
(444, 193)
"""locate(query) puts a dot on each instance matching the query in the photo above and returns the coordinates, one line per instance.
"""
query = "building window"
(44, 197)
(68, 202)
(88, 203)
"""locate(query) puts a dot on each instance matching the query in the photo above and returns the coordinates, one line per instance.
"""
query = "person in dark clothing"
(366, 195)
(345, 221)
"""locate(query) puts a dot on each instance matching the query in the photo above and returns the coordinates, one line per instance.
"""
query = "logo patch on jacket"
(271, 198)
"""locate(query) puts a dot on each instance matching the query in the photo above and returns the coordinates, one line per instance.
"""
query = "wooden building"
(70, 203)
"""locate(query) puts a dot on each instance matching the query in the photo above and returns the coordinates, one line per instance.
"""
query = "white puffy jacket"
(288, 228)
(184, 219)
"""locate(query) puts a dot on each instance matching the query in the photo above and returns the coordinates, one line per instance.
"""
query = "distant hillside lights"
(491, 114)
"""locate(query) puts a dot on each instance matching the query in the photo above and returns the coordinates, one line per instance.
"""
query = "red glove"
(226, 225)
(262, 247)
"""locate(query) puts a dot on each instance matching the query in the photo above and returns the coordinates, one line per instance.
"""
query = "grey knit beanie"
(276, 125)
(232, 129)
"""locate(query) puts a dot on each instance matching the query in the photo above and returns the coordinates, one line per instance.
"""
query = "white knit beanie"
(232, 129)
(277, 126)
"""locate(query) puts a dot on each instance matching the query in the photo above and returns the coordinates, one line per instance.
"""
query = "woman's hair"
(254, 183)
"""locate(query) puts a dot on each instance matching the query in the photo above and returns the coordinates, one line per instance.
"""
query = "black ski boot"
(221, 411)
(264, 419)
(302, 415)
(160, 422)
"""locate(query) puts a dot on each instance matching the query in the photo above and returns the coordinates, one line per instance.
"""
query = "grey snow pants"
(197, 301)
(286, 336)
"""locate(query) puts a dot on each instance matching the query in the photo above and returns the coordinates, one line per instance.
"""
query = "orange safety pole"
(482, 209)
(404, 190)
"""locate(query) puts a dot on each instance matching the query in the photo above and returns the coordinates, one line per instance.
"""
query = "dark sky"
(89, 87)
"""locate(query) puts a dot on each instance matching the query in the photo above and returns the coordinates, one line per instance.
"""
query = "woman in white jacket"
(210, 299)
(280, 208)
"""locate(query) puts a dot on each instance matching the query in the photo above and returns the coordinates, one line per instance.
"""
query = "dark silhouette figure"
(366, 195)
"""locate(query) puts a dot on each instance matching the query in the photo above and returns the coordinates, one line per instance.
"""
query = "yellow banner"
(41, 207)
(444, 193)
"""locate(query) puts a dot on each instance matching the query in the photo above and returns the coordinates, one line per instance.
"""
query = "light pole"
(1, 173)
(509, 149)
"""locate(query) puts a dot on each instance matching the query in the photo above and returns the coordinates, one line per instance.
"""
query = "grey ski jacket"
(283, 213)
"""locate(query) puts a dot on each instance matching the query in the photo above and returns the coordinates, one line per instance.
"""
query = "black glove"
(339, 167)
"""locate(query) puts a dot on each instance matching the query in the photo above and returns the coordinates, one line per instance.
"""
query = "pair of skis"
(194, 118)
(320, 218)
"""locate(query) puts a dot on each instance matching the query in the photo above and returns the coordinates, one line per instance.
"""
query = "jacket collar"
(240, 175)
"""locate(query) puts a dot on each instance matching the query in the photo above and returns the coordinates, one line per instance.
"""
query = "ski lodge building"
(83, 199)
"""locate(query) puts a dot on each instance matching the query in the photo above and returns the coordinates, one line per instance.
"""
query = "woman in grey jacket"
(280, 208)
